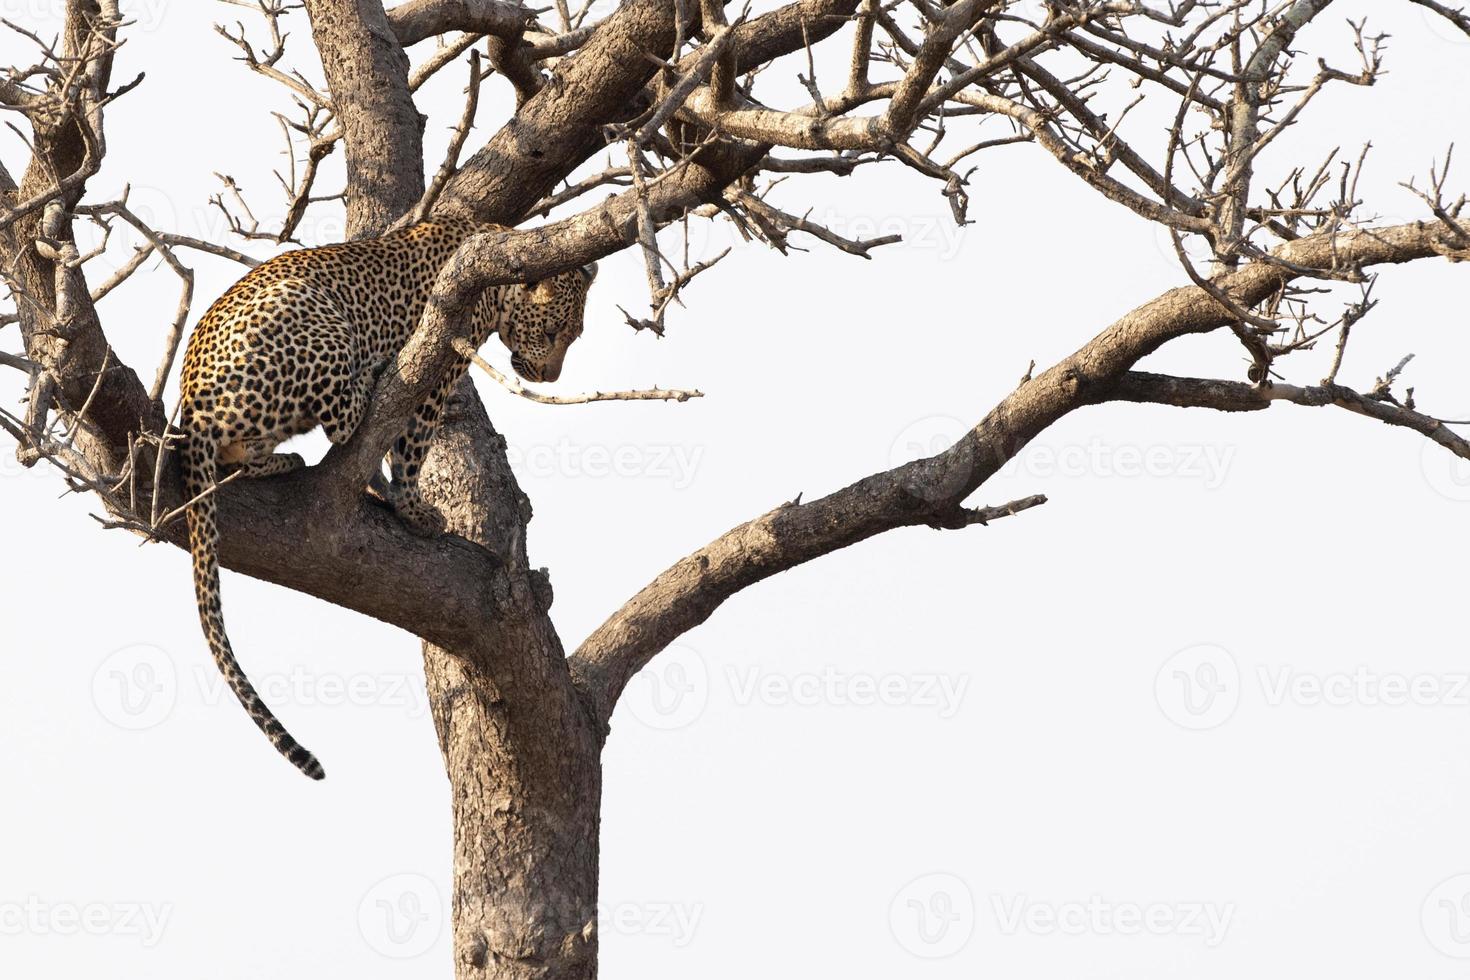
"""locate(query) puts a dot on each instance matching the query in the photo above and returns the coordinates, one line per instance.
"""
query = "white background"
(760, 817)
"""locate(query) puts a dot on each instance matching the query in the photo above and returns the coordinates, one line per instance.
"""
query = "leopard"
(299, 342)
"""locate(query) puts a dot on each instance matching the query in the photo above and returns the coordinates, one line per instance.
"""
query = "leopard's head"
(540, 320)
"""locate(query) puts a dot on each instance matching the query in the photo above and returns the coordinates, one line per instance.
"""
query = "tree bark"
(367, 74)
(519, 747)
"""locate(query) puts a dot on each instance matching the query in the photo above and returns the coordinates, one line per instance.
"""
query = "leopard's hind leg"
(349, 399)
(406, 458)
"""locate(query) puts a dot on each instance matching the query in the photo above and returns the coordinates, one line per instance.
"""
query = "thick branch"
(931, 491)
(367, 73)
(416, 20)
(606, 82)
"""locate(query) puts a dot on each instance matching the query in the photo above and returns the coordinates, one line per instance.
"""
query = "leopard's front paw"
(272, 465)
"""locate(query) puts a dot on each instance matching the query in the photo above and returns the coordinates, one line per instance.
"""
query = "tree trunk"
(520, 749)
(525, 799)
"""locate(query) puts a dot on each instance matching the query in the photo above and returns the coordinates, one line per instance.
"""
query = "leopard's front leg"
(406, 459)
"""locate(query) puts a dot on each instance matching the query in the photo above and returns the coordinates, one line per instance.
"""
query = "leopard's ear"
(541, 292)
(589, 272)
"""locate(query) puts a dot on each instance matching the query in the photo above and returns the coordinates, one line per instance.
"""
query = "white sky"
(759, 818)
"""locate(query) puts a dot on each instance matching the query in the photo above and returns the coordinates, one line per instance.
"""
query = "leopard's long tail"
(199, 471)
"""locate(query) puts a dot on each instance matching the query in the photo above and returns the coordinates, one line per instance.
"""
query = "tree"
(671, 91)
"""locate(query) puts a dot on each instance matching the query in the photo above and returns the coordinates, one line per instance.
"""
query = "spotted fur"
(299, 342)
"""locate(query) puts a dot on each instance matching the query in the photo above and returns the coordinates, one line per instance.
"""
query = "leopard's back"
(378, 286)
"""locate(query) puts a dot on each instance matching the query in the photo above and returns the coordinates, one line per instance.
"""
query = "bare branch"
(456, 143)
(514, 386)
(1234, 396)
